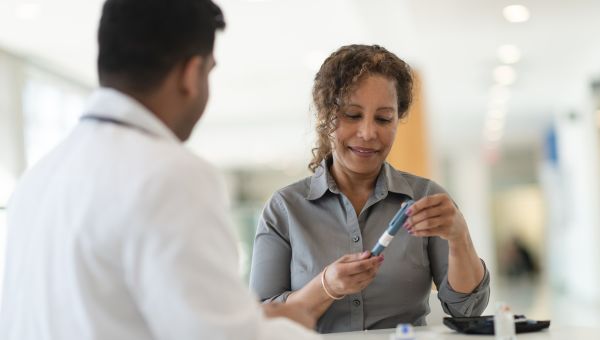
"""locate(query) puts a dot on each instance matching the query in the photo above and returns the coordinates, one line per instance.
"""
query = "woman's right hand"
(352, 273)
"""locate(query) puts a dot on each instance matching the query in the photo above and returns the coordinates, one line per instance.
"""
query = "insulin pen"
(395, 224)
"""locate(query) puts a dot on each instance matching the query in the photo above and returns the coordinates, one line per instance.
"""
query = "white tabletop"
(441, 333)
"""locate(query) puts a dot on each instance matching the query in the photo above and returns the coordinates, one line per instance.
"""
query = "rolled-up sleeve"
(466, 304)
(455, 303)
(270, 270)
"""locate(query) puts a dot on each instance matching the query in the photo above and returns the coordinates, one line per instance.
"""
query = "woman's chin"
(366, 168)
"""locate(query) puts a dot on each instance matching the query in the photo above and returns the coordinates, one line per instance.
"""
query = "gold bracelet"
(325, 288)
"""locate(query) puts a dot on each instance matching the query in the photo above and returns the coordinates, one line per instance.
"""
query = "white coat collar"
(115, 105)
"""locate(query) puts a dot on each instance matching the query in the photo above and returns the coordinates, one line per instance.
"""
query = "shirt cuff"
(281, 298)
(466, 304)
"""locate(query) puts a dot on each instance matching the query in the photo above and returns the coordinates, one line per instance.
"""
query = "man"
(120, 232)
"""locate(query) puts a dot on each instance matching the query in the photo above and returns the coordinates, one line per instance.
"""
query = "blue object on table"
(404, 331)
(395, 224)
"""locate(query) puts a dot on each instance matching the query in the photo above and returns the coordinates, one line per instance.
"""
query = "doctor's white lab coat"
(121, 233)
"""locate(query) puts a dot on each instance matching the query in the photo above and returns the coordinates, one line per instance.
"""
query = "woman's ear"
(191, 73)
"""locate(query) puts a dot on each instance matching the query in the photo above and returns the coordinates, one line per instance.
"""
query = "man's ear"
(191, 72)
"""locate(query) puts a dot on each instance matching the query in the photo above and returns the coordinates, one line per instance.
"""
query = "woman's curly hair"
(339, 75)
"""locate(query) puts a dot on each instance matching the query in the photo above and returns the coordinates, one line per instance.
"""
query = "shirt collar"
(110, 103)
(389, 180)
(395, 181)
(322, 181)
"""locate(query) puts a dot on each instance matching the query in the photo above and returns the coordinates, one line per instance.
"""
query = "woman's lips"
(362, 152)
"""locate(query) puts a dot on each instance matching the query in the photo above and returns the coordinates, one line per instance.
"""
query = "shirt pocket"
(413, 250)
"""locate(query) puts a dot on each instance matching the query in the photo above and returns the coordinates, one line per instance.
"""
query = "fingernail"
(365, 253)
(381, 259)
(406, 224)
(409, 211)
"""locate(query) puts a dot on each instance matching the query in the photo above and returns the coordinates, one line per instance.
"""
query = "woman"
(312, 236)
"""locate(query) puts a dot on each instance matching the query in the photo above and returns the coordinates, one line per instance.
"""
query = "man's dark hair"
(140, 41)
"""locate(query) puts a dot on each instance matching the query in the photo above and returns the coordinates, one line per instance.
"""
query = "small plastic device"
(395, 224)
(504, 322)
(404, 331)
(485, 324)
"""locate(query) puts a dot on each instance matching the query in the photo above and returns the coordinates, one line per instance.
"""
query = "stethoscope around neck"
(109, 120)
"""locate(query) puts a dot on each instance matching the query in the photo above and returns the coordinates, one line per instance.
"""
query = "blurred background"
(507, 117)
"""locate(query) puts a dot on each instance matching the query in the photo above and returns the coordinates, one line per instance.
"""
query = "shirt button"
(356, 303)
(355, 238)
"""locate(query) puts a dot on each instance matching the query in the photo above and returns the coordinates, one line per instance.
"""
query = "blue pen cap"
(400, 216)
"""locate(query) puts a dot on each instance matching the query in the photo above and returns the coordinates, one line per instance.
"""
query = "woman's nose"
(367, 130)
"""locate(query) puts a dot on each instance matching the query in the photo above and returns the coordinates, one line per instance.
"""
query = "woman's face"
(366, 127)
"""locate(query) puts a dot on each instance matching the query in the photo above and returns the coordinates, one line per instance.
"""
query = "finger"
(365, 283)
(365, 274)
(429, 233)
(356, 267)
(354, 257)
(424, 214)
(425, 202)
(355, 280)
(350, 268)
(430, 223)
(444, 209)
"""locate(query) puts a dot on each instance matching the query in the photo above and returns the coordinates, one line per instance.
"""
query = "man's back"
(120, 233)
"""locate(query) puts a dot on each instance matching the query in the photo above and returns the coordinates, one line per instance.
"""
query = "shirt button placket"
(356, 313)
(354, 229)
(356, 308)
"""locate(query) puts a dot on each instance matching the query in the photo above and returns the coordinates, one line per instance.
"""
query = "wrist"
(328, 291)
(460, 242)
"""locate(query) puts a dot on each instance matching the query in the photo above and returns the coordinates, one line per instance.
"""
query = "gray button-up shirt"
(310, 224)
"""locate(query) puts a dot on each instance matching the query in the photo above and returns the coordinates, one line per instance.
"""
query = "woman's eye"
(352, 115)
(383, 120)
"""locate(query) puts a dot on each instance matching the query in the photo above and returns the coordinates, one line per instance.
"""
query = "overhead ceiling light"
(493, 136)
(509, 54)
(28, 10)
(500, 91)
(516, 13)
(499, 97)
(495, 124)
(497, 114)
(504, 75)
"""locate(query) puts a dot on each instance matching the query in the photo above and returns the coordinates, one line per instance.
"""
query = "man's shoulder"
(177, 162)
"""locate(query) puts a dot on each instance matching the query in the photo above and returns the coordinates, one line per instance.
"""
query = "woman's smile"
(362, 151)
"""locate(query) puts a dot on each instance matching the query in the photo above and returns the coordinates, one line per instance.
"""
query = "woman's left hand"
(436, 215)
